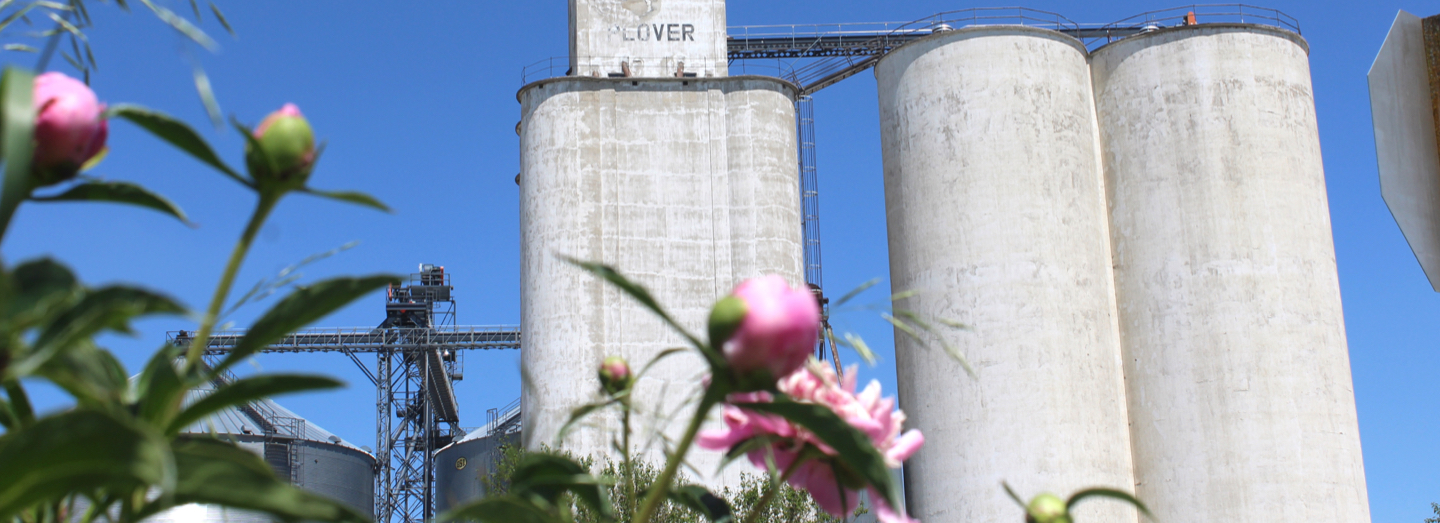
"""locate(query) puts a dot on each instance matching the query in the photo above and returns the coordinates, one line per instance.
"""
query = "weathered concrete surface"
(1236, 364)
(652, 38)
(996, 214)
(688, 187)
(1405, 140)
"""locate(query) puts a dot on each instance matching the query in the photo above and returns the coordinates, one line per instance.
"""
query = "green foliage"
(120, 450)
(1435, 507)
(790, 505)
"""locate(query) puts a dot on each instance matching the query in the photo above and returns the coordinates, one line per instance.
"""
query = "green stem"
(8, 206)
(629, 473)
(775, 487)
(20, 407)
(227, 280)
(661, 488)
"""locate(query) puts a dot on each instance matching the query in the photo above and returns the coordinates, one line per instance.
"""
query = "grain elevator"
(1131, 216)
(650, 157)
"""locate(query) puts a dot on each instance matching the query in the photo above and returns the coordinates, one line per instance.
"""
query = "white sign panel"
(648, 38)
(1402, 105)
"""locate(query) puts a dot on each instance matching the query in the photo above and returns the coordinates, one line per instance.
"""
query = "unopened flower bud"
(286, 152)
(1047, 508)
(777, 331)
(615, 375)
(725, 319)
(69, 128)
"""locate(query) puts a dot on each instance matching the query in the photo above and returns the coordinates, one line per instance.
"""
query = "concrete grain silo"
(1236, 362)
(683, 178)
(996, 214)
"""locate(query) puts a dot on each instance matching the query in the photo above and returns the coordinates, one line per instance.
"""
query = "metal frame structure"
(418, 359)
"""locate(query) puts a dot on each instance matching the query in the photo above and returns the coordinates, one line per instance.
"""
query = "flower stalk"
(775, 486)
(227, 279)
(661, 488)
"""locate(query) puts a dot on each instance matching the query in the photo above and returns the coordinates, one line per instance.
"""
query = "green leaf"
(42, 288)
(17, 128)
(300, 308)
(658, 358)
(221, 17)
(219, 473)
(500, 509)
(580, 413)
(118, 192)
(856, 343)
(68, 27)
(854, 448)
(744, 448)
(7, 417)
(178, 134)
(636, 291)
(15, 16)
(904, 295)
(19, 405)
(78, 451)
(246, 391)
(21, 48)
(158, 389)
(547, 476)
(182, 25)
(108, 308)
(358, 198)
(856, 291)
(207, 96)
(700, 500)
(1107, 493)
(915, 335)
(90, 374)
(1012, 494)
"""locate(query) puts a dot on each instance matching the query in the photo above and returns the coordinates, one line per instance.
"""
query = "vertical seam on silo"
(712, 174)
(1103, 195)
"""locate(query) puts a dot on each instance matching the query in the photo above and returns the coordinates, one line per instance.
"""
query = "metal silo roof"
(260, 418)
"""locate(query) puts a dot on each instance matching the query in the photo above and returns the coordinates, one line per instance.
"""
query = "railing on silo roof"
(1200, 14)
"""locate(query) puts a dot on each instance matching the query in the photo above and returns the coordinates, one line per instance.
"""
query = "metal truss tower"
(418, 359)
(416, 412)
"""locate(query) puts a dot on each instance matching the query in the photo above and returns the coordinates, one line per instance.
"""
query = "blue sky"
(417, 102)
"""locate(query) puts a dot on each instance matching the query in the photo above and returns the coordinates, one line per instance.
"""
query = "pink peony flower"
(69, 128)
(867, 411)
(779, 329)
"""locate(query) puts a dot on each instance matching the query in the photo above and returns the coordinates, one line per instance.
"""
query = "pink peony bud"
(778, 330)
(1047, 508)
(288, 144)
(69, 128)
(615, 374)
